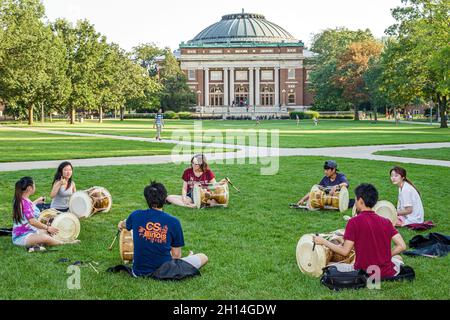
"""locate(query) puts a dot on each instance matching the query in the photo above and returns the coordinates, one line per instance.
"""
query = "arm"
(176, 253)
(39, 200)
(405, 211)
(343, 250)
(55, 188)
(39, 225)
(302, 200)
(74, 188)
(122, 224)
(400, 245)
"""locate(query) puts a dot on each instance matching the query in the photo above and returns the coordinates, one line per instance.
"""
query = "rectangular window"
(191, 75)
(267, 75)
(291, 73)
(241, 75)
(216, 75)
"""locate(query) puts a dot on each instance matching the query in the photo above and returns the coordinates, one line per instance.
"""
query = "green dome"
(243, 28)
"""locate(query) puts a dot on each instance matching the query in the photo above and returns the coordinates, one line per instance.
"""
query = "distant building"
(245, 60)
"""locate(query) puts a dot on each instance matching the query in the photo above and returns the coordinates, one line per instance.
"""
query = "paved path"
(359, 152)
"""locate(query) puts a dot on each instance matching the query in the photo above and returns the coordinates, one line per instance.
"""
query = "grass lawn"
(436, 154)
(251, 245)
(328, 133)
(32, 146)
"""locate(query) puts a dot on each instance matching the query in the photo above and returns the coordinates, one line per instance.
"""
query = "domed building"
(246, 60)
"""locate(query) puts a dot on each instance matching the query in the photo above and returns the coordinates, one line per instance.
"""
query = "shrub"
(304, 115)
(184, 115)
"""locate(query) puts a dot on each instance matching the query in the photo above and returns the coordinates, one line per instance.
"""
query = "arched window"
(267, 95)
(216, 96)
(241, 96)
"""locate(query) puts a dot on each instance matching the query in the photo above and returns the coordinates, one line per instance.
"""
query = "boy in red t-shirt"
(370, 235)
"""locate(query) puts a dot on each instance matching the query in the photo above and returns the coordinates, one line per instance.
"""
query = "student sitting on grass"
(371, 235)
(409, 205)
(27, 230)
(158, 238)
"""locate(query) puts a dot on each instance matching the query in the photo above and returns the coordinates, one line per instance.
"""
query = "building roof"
(243, 29)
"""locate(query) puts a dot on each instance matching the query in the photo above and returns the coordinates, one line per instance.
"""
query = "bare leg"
(42, 239)
(178, 201)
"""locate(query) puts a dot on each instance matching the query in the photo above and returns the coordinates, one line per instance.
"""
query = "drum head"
(197, 198)
(80, 204)
(68, 226)
(126, 246)
(343, 199)
(309, 261)
(386, 209)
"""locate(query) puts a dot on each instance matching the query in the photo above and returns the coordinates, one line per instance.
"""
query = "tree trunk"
(72, 115)
(443, 111)
(30, 114)
(122, 111)
(42, 113)
(375, 116)
(100, 115)
(356, 114)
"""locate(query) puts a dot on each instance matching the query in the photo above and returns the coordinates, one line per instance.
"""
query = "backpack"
(336, 280)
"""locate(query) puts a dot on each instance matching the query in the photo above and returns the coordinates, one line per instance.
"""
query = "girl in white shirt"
(409, 205)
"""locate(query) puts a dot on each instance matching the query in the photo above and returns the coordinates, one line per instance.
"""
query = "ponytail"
(20, 188)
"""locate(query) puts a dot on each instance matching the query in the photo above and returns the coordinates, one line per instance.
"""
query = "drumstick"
(229, 181)
(115, 238)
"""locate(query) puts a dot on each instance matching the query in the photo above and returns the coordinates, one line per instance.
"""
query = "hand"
(63, 181)
(300, 202)
(120, 225)
(52, 230)
(40, 200)
(319, 240)
(333, 190)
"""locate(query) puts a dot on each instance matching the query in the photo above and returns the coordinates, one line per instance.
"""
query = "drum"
(126, 246)
(321, 199)
(383, 208)
(86, 203)
(67, 224)
(311, 258)
(203, 194)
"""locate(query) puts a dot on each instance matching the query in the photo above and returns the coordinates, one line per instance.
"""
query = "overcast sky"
(168, 23)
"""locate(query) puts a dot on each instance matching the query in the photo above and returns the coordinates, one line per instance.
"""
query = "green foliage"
(170, 115)
(329, 45)
(184, 115)
(304, 115)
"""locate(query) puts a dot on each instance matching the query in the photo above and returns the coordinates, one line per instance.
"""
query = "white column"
(232, 85)
(258, 86)
(251, 101)
(277, 87)
(226, 91)
(206, 89)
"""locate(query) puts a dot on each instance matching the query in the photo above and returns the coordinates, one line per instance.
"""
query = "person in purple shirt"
(333, 180)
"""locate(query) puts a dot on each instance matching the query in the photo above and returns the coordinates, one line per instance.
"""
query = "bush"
(339, 116)
(139, 116)
(184, 115)
(304, 115)
(170, 115)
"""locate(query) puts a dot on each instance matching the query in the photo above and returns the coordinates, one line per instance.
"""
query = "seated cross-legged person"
(333, 180)
(371, 236)
(158, 238)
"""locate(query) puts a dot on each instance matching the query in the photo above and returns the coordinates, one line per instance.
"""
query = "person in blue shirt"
(158, 236)
(333, 180)
(159, 123)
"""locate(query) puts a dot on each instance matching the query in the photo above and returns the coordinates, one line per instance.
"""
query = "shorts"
(346, 267)
(22, 240)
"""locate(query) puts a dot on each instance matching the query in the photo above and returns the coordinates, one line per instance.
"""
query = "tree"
(421, 45)
(351, 66)
(30, 58)
(328, 45)
(145, 55)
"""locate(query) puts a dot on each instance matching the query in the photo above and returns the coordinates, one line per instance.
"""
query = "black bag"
(337, 280)
(406, 273)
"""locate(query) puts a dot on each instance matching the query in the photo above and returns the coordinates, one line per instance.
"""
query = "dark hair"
(59, 173)
(204, 165)
(368, 193)
(155, 194)
(21, 186)
(402, 172)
